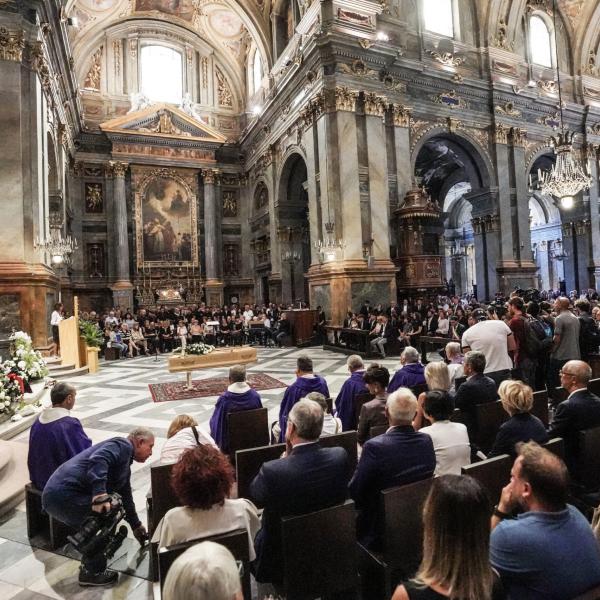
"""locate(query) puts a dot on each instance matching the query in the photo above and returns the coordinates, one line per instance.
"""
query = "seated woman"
(196, 331)
(372, 413)
(202, 480)
(116, 340)
(331, 424)
(184, 432)
(456, 540)
(138, 342)
(166, 336)
(517, 401)
(450, 440)
(455, 364)
(437, 377)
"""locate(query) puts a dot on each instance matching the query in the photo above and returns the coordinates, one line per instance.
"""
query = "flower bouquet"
(25, 361)
(195, 349)
(11, 394)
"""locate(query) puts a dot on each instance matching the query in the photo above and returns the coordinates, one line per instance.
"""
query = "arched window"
(161, 73)
(540, 42)
(438, 16)
(257, 71)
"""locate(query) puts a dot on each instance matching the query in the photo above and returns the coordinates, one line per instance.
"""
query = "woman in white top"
(455, 366)
(450, 440)
(443, 323)
(182, 332)
(55, 319)
(184, 433)
(202, 481)
(331, 424)
(437, 377)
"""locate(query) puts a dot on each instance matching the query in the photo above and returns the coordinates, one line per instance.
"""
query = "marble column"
(401, 118)
(594, 198)
(213, 285)
(504, 199)
(522, 205)
(122, 288)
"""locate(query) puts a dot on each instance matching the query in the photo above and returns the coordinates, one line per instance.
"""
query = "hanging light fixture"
(567, 176)
(58, 247)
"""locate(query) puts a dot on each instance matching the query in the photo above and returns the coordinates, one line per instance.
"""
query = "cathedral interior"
(324, 151)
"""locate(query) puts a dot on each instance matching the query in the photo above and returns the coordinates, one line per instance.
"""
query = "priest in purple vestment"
(306, 382)
(354, 385)
(55, 437)
(239, 396)
(410, 374)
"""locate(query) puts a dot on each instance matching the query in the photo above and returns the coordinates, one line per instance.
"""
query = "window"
(438, 16)
(161, 74)
(540, 44)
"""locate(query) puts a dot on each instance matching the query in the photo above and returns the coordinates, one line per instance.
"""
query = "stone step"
(13, 476)
(67, 373)
(59, 368)
(52, 360)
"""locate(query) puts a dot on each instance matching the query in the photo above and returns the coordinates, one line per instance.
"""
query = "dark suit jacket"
(310, 479)
(372, 413)
(580, 411)
(400, 456)
(522, 427)
(478, 389)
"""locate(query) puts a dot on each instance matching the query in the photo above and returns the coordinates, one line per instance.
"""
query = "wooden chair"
(235, 541)
(247, 429)
(346, 440)
(594, 386)
(319, 553)
(458, 382)
(358, 402)
(402, 541)
(41, 523)
(493, 474)
(377, 430)
(556, 446)
(458, 416)
(488, 416)
(589, 458)
(540, 406)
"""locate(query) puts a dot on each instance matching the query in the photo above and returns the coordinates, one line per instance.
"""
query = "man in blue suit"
(401, 455)
(306, 479)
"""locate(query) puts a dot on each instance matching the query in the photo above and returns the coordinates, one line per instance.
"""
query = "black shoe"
(88, 579)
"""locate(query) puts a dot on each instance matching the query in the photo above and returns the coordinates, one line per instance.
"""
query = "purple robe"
(298, 390)
(230, 402)
(409, 375)
(344, 403)
(52, 444)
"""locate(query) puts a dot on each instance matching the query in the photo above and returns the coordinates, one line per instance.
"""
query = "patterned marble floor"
(109, 404)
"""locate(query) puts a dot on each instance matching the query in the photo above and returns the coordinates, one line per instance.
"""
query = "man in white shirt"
(494, 339)
(247, 314)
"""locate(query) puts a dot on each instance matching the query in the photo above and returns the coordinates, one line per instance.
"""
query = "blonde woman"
(184, 432)
(455, 366)
(517, 401)
(456, 539)
(437, 377)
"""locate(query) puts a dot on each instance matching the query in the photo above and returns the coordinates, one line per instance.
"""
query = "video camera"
(98, 533)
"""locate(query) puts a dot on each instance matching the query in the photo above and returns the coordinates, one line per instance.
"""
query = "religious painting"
(94, 198)
(230, 204)
(95, 261)
(166, 229)
(183, 9)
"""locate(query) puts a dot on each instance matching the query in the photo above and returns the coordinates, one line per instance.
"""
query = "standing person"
(456, 541)
(565, 343)
(589, 336)
(354, 385)
(84, 483)
(524, 356)
(372, 413)
(55, 319)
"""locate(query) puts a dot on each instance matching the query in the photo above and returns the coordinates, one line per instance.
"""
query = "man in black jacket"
(589, 335)
(308, 478)
(581, 410)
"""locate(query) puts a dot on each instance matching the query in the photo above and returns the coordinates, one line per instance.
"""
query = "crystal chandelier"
(329, 245)
(58, 247)
(567, 177)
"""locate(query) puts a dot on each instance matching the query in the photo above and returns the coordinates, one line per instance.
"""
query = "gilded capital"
(401, 115)
(118, 168)
(345, 99)
(519, 136)
(374, 104)
(209, 176)
(501, 133)
(12, 44)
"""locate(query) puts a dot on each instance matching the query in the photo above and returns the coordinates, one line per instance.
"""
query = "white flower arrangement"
(11, 395)
(25, 361)
(195, 349)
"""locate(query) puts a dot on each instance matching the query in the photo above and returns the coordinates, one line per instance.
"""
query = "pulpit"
(302, 324)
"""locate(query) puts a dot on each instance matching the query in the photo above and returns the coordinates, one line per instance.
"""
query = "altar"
(220, 357)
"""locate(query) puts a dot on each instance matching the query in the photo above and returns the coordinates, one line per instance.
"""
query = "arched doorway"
(293, 230)
(450, 169)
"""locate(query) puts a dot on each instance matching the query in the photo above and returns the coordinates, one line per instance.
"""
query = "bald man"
(581, 410)
(565, 344)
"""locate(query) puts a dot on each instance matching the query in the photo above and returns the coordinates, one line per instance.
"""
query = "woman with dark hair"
(202, 481)
(56, 317)
(372, 413)
(456, 540)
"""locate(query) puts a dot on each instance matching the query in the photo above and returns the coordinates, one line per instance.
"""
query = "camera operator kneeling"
(81, 487)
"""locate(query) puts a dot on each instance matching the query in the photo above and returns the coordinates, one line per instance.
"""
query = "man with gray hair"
(411, 372)
(401, 455)
(352, 387)
(308, 478)
(55, 436)
(238, 396)
(84, 483)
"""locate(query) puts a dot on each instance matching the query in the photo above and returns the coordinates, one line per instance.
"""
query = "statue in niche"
(94, 202)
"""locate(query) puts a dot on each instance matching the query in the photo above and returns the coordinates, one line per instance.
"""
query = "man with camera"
(81, 488)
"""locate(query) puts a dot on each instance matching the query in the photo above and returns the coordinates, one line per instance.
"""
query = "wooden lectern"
(72, 347)
(302, 325)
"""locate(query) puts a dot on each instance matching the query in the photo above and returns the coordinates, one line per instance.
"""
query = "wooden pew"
(235, 541)
(358, 402)
(247, 429)
(493, 474)
(540, 406)
(330, 567)
(488, 417)
(249, 462)
(594, 386)
(557, 446)
(402, 541)
(377, 430)
(589, 458)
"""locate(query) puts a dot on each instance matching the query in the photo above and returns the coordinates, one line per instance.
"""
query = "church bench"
(589, 458)
(112, 353)
(594, 386)
(402, 550)
(247, 429)
(488, 417)
(493, 474)
(329, 569)
(41, 523)
(540, 406)
(358, 402)
(556, 446)
(235, 541)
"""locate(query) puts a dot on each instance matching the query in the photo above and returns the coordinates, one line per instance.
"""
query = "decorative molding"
(117, 57)
(92, 79)
(550, 120)
(401, 115)
(508, 109)
(501, 132)
(118, 168)
(501, 38)
(358, 69)
(345, 99)
(374, 104)
(12, 44)
(225, 97)
(518, 136)
(448, 59)
(209, 176)
(450, 99)
(548, 86)
(591, 68)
